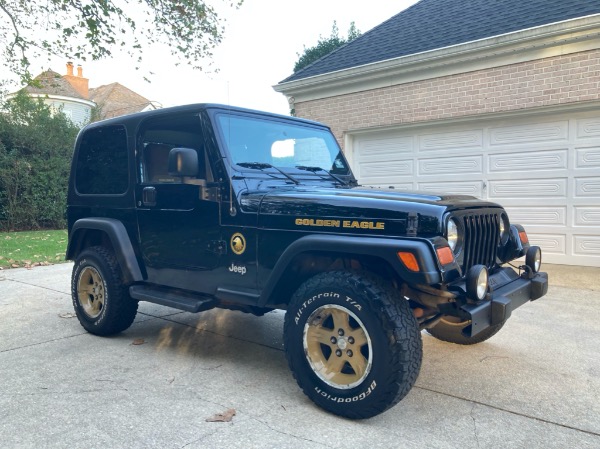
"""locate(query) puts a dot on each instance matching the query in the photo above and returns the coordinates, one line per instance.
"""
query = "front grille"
(481, 239)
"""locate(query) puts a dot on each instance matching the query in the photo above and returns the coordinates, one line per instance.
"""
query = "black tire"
(450, 329)
(100, 298)
(368, 367)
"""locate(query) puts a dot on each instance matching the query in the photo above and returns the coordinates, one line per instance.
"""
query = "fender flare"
(116, 232)
(383, 248)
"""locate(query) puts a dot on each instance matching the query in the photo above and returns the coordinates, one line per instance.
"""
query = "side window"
(158, 137)
(156, 157)
(102, 162)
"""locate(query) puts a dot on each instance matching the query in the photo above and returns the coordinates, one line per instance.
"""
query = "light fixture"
(477, 282)
(533, 258)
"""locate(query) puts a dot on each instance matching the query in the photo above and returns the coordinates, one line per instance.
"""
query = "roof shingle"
(51, 83)
(433, 24)
(115, 99)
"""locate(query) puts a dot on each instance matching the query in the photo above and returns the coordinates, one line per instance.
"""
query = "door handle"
(149, 196)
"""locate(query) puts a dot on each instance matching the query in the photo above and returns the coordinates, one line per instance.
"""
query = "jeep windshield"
(253, 142)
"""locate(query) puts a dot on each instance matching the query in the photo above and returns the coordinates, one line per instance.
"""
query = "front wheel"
(352, 343)
(100, 298)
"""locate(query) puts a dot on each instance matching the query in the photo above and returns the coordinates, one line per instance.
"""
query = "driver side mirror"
(183, 162)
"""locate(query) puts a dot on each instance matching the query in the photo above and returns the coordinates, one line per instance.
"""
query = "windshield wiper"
(319, 169)
(262, 165)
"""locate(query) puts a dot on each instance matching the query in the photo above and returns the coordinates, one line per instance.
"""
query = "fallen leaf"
(138, 341)
(67, 315)
(15, 265)
(226, 416)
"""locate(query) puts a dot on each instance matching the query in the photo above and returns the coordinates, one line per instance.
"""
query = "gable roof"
(115, 99)
(52, 83)
(434, 24)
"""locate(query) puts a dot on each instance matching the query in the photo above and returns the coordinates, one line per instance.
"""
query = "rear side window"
(102, 162)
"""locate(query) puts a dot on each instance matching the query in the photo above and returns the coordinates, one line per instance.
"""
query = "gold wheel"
(337, 346)
(90, 292)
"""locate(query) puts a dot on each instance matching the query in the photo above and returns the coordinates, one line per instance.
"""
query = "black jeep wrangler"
(205, 205)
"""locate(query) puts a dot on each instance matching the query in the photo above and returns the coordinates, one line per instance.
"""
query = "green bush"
(36, 146)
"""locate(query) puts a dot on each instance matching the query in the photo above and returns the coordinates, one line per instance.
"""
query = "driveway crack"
(474, 424)
(512, 412)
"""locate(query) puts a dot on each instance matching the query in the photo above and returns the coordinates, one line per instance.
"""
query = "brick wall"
(544, 82)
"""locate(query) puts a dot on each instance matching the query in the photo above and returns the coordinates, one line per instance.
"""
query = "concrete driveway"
(534, 385)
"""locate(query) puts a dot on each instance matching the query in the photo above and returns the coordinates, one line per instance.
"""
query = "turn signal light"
(523, 237)
(409, 260)
(445, 255)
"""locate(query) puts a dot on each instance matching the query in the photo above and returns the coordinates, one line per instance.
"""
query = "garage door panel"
(388, 147)
(588, 128)
(587, 216)
(528, 188)
(538, 216)
(588, 157)
(380, 172)
(586, 245)
(528, 161)
(452, 141)
(550, 243)
(587, 187)
(451, 165)
(533, 133)
(474, 188)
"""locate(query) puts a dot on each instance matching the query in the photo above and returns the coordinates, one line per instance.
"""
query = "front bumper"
(512, 292)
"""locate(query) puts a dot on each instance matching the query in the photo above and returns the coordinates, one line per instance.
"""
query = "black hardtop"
(138, 117)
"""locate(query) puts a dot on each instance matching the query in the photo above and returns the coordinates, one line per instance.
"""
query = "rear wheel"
(450, 329)
(352, 343)
(100, 298)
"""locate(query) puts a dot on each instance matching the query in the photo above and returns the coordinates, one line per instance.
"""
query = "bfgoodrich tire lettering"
(100, 298)
(352, 343)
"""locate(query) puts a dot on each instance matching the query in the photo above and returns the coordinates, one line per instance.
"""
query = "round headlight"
(452, 234)
(477, 282)
(533, 258)
(503, 229)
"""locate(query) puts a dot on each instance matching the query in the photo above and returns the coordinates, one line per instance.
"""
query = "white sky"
(262, 39)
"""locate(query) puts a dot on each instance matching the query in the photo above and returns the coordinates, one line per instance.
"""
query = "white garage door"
(544, 170)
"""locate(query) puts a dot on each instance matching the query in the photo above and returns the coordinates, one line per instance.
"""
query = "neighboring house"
(72, 94)
(496, 99)
(63, 93)
(115, 99)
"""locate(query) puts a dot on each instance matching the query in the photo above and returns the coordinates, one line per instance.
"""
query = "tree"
(93, 29)
(36, 146)
(325, 46)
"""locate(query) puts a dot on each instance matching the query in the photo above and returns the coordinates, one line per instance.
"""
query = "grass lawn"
(32, 248)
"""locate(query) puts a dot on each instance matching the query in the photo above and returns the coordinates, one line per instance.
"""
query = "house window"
(102, 162)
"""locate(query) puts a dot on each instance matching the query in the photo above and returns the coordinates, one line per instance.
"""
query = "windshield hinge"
(411, 224)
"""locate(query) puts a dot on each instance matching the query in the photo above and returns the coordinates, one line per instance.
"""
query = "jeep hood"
(305, 206)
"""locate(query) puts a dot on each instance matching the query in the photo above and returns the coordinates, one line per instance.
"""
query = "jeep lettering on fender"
(205, 205)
